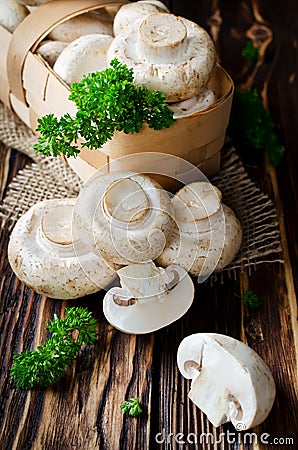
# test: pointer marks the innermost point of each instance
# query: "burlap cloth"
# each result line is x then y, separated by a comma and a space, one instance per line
47, 177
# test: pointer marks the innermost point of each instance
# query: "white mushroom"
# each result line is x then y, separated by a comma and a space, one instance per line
230, 381
150, 298
88, 23
82, 56
167, 53
135, 12
127, 216
50, 50
192, 105
11, 14
207, 234
44, 254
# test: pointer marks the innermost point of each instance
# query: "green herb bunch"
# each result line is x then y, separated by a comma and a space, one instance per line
253, 126
250, 52
47, 364
106, 101
250, 299
132, 407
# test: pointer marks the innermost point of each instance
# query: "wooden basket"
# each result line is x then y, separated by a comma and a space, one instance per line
30, 87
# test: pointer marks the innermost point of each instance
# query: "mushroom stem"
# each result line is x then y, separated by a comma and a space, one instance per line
162, 38
124, 301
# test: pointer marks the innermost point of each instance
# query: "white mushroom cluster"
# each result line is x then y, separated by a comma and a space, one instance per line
230, 382
167, 53
71, 248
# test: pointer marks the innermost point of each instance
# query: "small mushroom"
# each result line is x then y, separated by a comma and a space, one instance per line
207, 234
150, 298
127, 216
50, 50
11, 14
230, 381
167, 53
135, 12
84, 55
46, 256
192, 105
88, 23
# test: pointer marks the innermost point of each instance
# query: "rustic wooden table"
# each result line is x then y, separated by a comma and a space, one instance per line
82, 411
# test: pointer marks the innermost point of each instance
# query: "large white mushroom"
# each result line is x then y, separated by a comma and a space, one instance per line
127, 216
11, 14
135, 12
44, 254
88, 23
84, 55
207, 234
167, 53
230, 381
149, 298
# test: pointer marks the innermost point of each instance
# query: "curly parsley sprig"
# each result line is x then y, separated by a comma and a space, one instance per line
106, 101
132, 406
47, 364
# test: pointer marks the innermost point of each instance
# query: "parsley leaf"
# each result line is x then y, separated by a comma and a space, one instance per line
250, 52
48, 362
253, 126
106, 101
250, 299
132, 407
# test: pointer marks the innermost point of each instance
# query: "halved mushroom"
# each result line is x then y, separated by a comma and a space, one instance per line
127, 216
135, 12
150, 298
167, 53
230, 381
45, 255
88, 23
11, 14
84, 55
207, 234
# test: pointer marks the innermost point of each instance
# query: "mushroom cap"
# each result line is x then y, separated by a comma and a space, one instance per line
88, 23
134, 12
150, 298
230, 381
50, 50
44, 254
207, 235
84, 55
194, 104
127, 216
167, 53
11, 14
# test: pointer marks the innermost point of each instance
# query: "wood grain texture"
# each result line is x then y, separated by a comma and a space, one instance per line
82, 411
